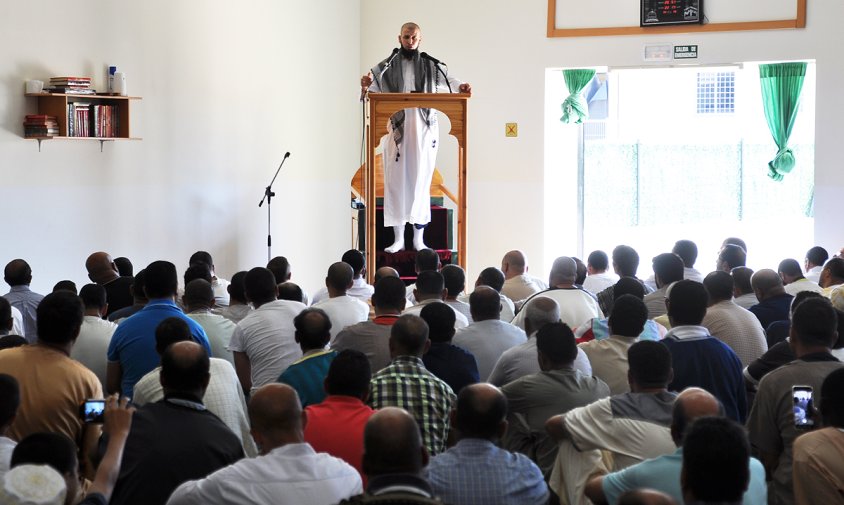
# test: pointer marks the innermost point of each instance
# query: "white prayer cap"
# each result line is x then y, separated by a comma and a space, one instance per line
32, 485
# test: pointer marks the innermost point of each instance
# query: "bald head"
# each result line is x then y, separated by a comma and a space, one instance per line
513, 264
485, 304
481, 412
385, 272
766, 283
563, 272
540, 311
185, 369
692, 403
101, 267
275, 414
392, 444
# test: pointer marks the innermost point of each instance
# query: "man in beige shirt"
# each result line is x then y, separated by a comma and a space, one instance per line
735, 326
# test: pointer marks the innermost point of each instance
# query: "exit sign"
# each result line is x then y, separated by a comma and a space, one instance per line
685, 52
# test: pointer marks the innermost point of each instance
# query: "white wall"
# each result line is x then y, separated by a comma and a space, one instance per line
224, 97
500, 47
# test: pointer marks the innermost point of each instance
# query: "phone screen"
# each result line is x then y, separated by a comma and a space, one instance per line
92, 411
803, 405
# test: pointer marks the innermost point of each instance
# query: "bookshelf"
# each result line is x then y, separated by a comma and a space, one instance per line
61, 105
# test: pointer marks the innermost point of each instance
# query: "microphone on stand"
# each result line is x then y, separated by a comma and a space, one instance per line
386, 66
429, 57
437, 64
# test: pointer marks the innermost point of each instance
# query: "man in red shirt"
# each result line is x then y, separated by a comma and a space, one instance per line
336, 425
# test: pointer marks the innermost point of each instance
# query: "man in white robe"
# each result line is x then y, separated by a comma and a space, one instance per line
409, 149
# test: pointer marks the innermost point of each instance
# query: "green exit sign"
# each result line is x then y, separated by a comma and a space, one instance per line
685, 52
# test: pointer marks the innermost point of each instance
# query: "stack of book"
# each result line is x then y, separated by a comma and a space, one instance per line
40, 126
71, 85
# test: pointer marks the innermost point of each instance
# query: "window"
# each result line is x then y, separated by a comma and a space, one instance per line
716, 92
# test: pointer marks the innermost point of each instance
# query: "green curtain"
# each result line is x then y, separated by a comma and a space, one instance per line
574, 107
781, 86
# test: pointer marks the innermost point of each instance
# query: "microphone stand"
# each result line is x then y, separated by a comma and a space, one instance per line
268, 196
437, 64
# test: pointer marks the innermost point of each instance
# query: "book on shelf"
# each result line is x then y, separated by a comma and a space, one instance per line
70, 90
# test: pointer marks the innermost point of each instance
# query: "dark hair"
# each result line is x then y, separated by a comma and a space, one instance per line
741, 279
58, 317
817, 255
716, 460
790, 266
280, 268
598, 260
628, 286
313, 328
5, 312
492, 277
169, 331
802, 296
626, 260
719, 285
160, 279
237, 289
197, 270
835, 267
52, 449
556, 342
12, 341
17, 273
427, 259
186, 371
198, 291
201, 257
349, 374
687, 303
93, 296
735, 241
138, 282
355, 259
582, 271
430, 282
649, 364
454, 279
410, 333
66, 285
290, 291
260, 285
124, 266
814, 322
628, 317
668, 267
10, 398
733, 256
440, 318
687, 251
832, 399
340, 275
389, 293
485, 303
477, 416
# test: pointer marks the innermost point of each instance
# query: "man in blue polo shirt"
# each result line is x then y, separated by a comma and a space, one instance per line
131, 353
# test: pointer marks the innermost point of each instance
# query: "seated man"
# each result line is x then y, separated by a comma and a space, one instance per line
342, 309
18, 275
360, 289
716, 458
199, 302
663, 473
792, 278
454, 365
735, 326
454, 279
218, 284
176, 439
598, 328
476, 471
598, 279
814, 262
306, 375
668, 269
288, 469
95, 334
742, 289
102, 270
430, 288
518, 285
494, 278
773, 300
238, 306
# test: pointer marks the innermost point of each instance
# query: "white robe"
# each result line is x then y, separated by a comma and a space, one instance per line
407, 181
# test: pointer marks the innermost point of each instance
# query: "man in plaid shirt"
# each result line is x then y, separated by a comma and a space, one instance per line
405, 383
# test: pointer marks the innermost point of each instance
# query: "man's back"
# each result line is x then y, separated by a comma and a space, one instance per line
119, 293
521, 360
336, 426
91, 345
369, 337
26, 301
266, 337
576, 306
608, 358
133, 342
170, 443
738, 328
219, 331
487, 340
291, 474
775, 308
818, 473
520, 287
343, 311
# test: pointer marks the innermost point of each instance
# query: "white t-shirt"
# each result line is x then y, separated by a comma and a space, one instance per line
343, 311
91, 346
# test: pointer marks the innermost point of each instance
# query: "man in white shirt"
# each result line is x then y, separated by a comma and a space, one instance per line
238, 307
815, 259
95, 334
223, 397
199, 299
288, 469
221, 294
455, 284
793, 280
342, 309
668, 268
263, 343
427, 260
743, 293
430, 288
488, 337
518, 285
577, 306
598, 278
360, 288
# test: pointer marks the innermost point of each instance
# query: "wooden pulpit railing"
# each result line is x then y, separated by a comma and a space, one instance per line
379, 108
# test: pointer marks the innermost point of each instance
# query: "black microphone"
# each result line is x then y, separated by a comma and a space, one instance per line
287, 155
386, 66
429, 57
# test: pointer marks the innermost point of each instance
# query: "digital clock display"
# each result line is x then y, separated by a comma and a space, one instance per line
671, 12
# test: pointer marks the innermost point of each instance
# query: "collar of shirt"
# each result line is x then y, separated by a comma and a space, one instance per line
19, 289
409, 360
313, 353
818, 356
343, 399
386, 319
184, 402
162, 302
688, 332
399, 482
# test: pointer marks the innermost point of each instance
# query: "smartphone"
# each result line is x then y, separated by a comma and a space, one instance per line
92, 411
803, 407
